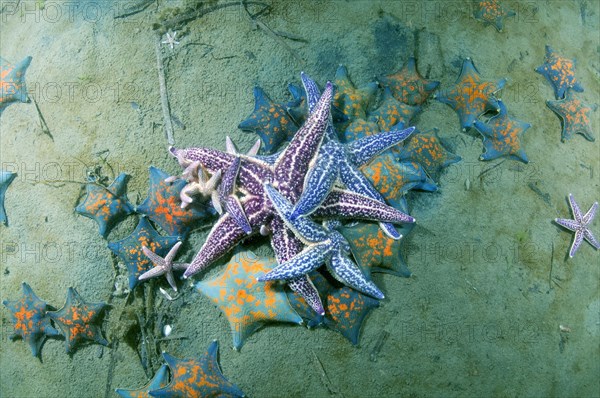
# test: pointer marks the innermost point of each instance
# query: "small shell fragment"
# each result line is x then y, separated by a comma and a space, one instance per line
167, 329
564, 328
467, 184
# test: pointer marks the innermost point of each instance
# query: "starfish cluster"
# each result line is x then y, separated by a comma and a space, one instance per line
316, 178
575, 115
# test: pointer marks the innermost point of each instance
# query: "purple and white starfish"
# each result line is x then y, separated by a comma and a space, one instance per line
580, 225
337, 161
324, 245
286, 173
163, 266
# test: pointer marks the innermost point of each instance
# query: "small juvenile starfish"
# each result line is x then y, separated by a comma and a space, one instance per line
579, 225
171, 39
163, 266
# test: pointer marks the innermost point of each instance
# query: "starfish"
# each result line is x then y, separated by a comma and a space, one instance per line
246, 303
341, 161
392, 113
375, 252
492, 12
575, 116
163, 266
471, 96
159, 380
502, 136
427, 150
131, 249
270, 121
77, 320
323, 245
194, 378
408, 86
30, 320
560, 72
163, 205
393, 178
6, 178
106, 205
12, 82
171, 39
579, 225
353, 102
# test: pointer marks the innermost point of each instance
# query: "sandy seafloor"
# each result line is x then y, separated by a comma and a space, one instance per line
480, 316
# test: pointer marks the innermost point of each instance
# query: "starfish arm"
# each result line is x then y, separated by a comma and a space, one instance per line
212, 160
591, 213
228, 181
364, 149
230, 146
216, 201
224, 235
235, 210
171, 279
212, 182
303, 227
346, 204
152, 273
573, 225
575, 208
312, 91
356, 181
587, 234
349, 274
292, 165
307, 260
172, 253
576, 243
155, 258
305, 288
318, 183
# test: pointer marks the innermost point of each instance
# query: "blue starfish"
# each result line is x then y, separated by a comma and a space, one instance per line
30, 320
323, 245
501, 136
392, 113
159, 380
106, 205
580, 225
270, 121
492, 12
341, 161
346, 310
560, 72
408, 86
471, 96
6, 177
247, 304
131, 249
393, 178
575, 115
12, 82
163, 205
427, 150
197, 378
352, 101
78, 320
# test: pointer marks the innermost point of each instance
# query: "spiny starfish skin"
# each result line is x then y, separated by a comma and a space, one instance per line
323, 246
341, 161
580, 225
